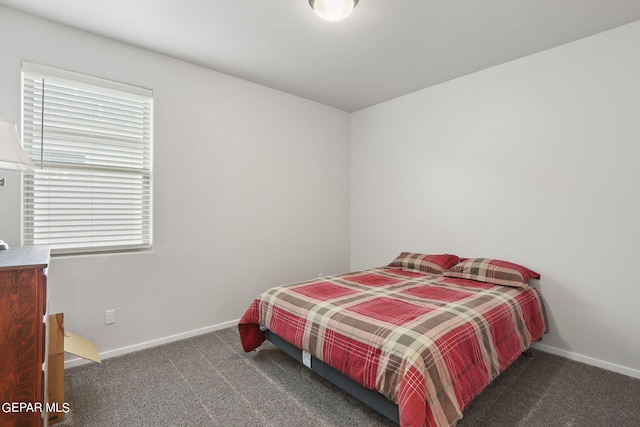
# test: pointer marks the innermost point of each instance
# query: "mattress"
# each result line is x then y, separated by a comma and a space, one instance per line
427, 342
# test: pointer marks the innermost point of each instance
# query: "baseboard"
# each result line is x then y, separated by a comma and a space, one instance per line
153, 343
635, 373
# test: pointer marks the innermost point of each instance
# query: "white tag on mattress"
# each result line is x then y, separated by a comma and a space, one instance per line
306, 359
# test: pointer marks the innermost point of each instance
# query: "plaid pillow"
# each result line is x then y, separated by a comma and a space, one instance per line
493, 271
435, 264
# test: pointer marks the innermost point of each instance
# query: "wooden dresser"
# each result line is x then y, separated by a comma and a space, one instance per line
23, 330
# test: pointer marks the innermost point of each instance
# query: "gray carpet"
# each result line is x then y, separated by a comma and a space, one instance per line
209, 381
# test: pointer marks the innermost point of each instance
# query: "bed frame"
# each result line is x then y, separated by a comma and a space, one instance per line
370, 398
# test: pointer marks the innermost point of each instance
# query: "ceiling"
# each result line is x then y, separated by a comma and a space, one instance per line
385, 49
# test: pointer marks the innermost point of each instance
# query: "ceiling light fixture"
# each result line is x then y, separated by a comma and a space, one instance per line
333, 10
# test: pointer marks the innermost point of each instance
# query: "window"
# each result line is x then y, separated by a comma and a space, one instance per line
91, 142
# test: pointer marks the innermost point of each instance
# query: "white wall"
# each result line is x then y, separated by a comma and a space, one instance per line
251, 190
534, 161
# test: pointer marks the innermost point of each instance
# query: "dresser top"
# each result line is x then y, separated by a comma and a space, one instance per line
24, 257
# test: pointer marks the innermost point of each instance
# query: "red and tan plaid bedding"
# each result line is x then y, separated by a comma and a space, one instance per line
428, 343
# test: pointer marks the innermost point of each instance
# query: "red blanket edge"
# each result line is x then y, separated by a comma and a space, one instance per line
251, 336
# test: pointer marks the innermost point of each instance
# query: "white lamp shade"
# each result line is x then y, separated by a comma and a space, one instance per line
12, 156
333, 10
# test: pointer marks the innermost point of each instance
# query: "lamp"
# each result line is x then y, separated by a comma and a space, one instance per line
12, 157
333, 10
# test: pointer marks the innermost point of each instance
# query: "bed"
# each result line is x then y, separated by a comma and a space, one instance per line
417, 339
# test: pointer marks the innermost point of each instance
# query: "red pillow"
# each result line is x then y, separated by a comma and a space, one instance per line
435, 264
493, 271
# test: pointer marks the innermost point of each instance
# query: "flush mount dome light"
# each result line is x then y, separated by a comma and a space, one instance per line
333, 10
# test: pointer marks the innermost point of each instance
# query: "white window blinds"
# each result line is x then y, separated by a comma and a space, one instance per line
91, 141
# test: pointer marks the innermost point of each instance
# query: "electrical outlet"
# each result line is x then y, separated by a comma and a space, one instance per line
109, 317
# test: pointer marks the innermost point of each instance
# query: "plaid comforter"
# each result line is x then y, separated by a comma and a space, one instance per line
426, 342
